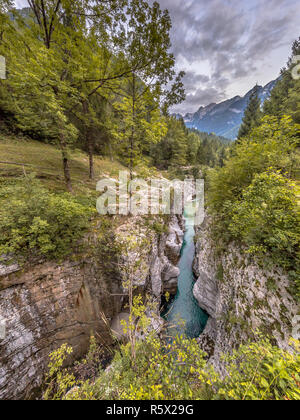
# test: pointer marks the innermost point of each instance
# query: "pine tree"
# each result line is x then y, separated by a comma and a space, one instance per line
252, 115
278, 104
139, 122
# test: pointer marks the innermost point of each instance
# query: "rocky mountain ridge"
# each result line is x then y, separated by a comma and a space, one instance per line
224, 119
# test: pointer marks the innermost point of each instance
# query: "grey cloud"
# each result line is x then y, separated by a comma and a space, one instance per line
197, 96
204, 96
234, 36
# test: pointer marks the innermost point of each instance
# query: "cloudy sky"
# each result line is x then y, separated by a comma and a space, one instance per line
227, 46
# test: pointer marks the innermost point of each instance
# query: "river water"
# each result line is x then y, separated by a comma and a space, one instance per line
184, 315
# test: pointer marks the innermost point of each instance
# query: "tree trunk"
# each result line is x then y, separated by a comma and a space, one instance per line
91, 154
67, 174
131, 141
66, 166
88, 138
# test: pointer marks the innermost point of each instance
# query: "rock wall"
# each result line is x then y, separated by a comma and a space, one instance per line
165, 256
47, 304
240, 296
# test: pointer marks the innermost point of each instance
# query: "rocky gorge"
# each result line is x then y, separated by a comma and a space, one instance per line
46, 304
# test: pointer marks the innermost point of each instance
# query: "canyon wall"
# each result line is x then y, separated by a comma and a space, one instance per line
240, 296
47, 304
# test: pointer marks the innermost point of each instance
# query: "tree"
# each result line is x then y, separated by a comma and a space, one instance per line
272, 144
138, 70
39, 90
125, 39
278, 104
252, 115
64, 54
292, 102
193, 143
139, 123
172, 149
88, 25
266, 218
91, 25
152, 85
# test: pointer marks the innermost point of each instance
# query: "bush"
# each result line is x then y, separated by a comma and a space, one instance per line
259, 371
267, 218
36, 222
273, 144
160, 372
178, 371
250, 199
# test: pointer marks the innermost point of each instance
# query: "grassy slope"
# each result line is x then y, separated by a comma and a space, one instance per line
298, 191
45, 162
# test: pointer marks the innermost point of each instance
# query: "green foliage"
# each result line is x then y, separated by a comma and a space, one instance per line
64, 60
59, 380
137, 126
36, 222
212, 150
252, 115
284, 97
252, 200
259, 371
182, 147
160, 372
169, 372
172, 149
267, 218
160, 228
270, 145
292, 102
132, 264
179, 371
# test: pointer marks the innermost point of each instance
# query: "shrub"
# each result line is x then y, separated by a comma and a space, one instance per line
259, 371
179, 371
250, 200
270, 145
267, 218
160, 372
58, 379
34, 221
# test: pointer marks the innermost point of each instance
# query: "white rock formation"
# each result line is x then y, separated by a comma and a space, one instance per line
240, 297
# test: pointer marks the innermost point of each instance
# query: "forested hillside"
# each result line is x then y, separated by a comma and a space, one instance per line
255, 197
72, 84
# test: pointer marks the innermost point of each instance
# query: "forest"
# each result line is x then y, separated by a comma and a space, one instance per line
100, 79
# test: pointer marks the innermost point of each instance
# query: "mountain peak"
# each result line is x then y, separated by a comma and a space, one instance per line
225, 118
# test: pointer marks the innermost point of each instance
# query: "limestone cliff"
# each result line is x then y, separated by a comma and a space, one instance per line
240, 296
47, 304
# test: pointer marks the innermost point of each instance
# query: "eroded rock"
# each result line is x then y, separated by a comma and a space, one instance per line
47, 304
240, 296
44, 307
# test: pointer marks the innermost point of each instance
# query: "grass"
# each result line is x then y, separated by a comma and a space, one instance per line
298, 192
45, 161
